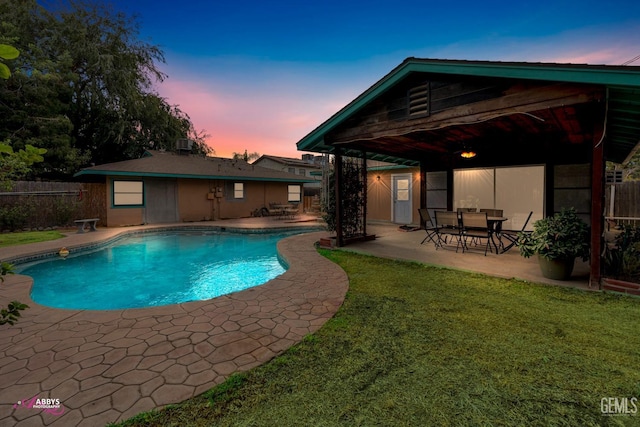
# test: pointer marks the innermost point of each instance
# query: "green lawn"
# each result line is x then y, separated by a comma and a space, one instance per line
415, 345
22, 238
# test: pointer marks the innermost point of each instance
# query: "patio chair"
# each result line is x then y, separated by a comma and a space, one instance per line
512, 235
428, 226
447, 225
291, 211
476, 227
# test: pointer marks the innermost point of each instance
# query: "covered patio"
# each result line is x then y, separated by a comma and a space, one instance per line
393, 243
441, 117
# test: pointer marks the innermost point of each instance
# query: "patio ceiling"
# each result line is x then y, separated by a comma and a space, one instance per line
561, 109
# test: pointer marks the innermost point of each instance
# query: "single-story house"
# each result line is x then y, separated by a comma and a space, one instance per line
515, 136
164, 187
309, 166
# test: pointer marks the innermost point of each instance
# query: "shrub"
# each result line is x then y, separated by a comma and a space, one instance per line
15, 217
622, 259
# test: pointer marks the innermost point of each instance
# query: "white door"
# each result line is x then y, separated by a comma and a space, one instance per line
401, 198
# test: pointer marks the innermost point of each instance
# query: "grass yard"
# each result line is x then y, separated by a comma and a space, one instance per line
415, 345
22, 238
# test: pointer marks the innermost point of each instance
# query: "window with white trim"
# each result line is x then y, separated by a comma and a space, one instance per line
238, 190
294, 193
128, 193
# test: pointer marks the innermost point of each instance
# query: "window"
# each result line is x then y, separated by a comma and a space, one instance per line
516, 190
128, 193
294, 193
292, 170
238, 190
302, 172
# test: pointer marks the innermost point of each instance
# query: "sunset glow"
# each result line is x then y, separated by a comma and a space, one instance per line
259, 76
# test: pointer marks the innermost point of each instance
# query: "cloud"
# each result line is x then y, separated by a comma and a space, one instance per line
258, 105
610, 45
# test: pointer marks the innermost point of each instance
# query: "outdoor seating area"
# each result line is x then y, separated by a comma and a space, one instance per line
82, 224
284, 210
469, 229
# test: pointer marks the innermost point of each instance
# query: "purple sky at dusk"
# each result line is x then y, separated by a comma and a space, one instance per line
260, 75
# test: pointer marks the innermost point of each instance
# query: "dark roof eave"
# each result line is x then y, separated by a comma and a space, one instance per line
610, 76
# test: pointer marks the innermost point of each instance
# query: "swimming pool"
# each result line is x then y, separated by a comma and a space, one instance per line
154, 269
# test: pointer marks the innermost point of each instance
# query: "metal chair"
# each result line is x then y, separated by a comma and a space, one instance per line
428, 226
447, 225
512, 235
476, 227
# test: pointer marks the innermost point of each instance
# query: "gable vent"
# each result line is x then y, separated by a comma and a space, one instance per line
419, 100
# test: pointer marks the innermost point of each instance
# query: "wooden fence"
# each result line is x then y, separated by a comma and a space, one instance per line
35, 205
40, 205
623, 203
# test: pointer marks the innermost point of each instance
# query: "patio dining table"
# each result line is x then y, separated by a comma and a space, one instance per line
495, 225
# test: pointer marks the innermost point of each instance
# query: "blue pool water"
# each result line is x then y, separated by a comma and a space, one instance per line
156, 269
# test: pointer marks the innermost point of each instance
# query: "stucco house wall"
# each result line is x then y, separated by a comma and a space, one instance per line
379, 194
164, 187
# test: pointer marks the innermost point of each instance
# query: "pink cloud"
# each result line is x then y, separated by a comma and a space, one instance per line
267, 122
262, 106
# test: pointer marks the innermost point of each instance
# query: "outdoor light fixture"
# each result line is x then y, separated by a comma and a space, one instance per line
378, 178
467, 152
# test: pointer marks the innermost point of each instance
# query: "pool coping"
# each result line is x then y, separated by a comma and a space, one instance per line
106, 366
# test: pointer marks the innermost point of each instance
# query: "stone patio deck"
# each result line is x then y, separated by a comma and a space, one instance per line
107, 366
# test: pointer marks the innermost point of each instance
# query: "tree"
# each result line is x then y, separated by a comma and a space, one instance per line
36, 97
633, 167
247, 157
84, 88
15, 165
6, 52
11, 165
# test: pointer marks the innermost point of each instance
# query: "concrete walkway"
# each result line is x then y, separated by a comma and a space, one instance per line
392, 243
106, 366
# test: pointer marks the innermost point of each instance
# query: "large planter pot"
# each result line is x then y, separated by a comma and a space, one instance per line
556, 269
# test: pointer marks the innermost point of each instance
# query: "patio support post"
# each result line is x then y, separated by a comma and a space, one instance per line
597, 210
423, 185
338, 196
449, 188
365, 190
549, 173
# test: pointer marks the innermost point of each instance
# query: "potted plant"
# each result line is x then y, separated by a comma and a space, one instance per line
557, 241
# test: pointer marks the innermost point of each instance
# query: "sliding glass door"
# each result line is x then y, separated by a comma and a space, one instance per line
515, 190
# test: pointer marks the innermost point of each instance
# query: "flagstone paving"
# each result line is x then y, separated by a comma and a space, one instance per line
106, 366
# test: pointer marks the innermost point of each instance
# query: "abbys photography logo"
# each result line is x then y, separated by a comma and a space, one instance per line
619, 406
49, 406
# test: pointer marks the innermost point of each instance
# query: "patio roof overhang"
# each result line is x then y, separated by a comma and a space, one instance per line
559, 111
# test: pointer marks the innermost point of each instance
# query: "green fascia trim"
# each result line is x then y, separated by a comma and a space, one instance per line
609, 76
622, 78
391, 167
165, 175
